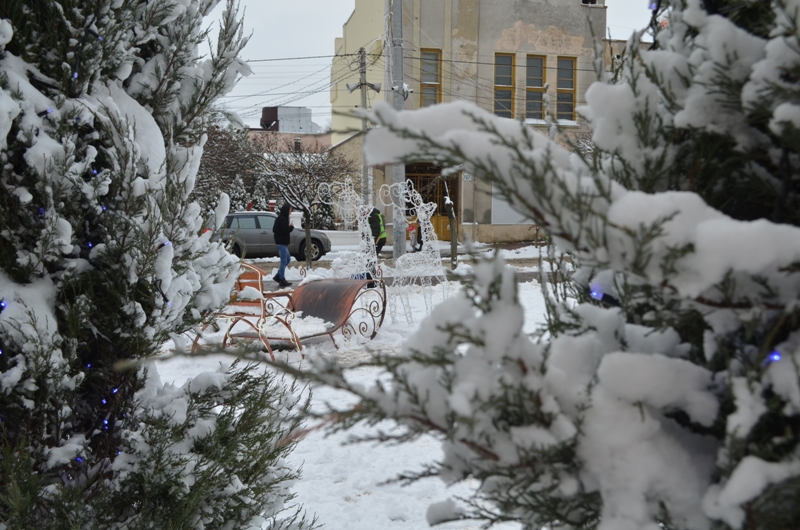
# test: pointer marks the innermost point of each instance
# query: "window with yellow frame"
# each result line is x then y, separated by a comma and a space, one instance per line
430, 77
504, 85
565, 88
535, 73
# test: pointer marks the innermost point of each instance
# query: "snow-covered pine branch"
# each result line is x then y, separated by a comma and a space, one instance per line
666, 394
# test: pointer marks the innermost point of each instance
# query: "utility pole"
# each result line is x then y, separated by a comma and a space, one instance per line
366, 189
400, 95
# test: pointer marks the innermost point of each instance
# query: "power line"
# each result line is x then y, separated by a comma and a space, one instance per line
483, 99
327, 86
377, 58
256, 94
311, 91
312, 88
300, 58
480, 83
413, 58
307, 106
282, 86
275, 59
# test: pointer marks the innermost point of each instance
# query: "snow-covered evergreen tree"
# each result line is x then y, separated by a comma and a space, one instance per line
103, 105
239, 195
263, 192
665, 391
323, 217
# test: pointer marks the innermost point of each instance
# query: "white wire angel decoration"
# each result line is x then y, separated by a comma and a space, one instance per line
343, 196
364, 262
421, 267
358, 264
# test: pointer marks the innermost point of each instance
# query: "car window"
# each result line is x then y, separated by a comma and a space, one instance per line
243, 222
266, 221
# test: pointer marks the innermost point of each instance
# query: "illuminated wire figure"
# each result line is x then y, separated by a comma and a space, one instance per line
421, 267
358, 264
343, 196
363, 263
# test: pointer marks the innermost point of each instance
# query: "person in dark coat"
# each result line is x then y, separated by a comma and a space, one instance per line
282, 228
378, 230
417, 228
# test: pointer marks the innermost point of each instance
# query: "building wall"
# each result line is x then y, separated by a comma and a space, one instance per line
352, 148
288, 120
310, 142
470, 32
296, 120
364, 28
477, 30
614, 49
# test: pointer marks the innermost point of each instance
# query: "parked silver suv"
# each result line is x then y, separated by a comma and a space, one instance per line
251, 233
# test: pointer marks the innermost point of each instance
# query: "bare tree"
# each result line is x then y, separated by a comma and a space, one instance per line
226, 165
296, 171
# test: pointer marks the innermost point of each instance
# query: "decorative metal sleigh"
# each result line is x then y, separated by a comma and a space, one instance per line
352, 307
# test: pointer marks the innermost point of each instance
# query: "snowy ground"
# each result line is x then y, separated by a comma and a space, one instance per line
524, 259
342, 483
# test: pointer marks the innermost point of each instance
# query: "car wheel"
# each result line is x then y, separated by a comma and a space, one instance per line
237, 251
316, 250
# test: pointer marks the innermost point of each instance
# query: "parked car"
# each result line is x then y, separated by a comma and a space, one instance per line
252, 237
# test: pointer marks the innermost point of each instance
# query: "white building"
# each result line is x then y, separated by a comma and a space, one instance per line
295, 120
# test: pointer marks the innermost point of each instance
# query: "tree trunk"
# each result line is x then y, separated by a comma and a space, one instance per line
307, 224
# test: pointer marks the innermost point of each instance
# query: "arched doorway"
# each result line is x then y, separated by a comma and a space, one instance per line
428, 182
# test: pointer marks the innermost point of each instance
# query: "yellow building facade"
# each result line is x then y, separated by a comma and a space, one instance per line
509, 57
364, 29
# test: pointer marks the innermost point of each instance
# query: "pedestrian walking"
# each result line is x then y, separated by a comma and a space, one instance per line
378, 230
282, 228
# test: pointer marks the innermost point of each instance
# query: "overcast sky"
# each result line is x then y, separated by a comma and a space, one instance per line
293, 41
